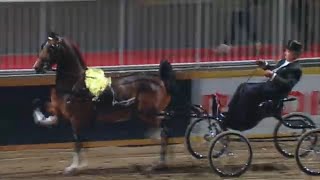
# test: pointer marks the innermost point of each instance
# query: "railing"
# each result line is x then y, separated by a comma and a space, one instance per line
130, 32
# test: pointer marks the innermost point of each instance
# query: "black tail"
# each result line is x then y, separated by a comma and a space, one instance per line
167, 75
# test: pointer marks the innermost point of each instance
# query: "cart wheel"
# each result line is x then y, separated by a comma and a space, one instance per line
308, 145
198, 136
286, 138
233, 145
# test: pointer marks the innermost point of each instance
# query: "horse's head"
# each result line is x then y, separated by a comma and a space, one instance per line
49, 54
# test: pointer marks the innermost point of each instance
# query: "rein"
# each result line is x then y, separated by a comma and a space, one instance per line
251, 74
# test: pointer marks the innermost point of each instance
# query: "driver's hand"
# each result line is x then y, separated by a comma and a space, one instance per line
261, 63
268, 73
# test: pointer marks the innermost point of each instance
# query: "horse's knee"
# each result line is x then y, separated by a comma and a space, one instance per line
165, 126
78, 142
164, 132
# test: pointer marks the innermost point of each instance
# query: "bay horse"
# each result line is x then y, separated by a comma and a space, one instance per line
143, 96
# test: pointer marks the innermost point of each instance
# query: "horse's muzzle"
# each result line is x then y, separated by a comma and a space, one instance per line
39, 70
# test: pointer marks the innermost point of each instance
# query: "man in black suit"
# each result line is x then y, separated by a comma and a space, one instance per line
282, 78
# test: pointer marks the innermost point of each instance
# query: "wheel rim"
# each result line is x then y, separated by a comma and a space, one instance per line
232, 158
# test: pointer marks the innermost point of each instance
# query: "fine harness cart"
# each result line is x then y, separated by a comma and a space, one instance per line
213, 132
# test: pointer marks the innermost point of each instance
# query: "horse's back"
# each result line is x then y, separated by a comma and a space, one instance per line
127, 87
135, 79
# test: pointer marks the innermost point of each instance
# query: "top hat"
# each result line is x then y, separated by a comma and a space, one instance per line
294, 45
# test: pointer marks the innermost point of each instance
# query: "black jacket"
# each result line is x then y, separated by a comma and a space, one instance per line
287, 77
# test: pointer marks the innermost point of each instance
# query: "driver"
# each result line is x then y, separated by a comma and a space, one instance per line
282, 77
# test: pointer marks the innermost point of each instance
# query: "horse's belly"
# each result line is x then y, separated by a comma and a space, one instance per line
112, 117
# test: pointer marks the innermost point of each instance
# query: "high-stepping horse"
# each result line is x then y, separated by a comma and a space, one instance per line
142, 96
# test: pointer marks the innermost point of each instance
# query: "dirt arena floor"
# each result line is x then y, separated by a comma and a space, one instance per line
121, 163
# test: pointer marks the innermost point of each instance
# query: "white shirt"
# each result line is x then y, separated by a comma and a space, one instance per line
284, 64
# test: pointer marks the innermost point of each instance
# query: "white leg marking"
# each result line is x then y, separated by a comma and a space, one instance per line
78, 162
39, 118
75, 164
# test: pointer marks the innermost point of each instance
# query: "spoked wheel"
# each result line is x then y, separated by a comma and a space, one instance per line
309, 146
286, 138
198, 136
230, 154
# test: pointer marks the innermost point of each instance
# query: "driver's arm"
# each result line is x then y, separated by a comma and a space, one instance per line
290, 81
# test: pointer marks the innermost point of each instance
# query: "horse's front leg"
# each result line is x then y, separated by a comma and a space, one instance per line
80, 115
77, 161
39, 117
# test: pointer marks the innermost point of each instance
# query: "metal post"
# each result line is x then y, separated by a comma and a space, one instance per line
182, 27
282, 10
198, 30
274, 24
267, 23
42, 22
98, 28
316, 6
167, 29
121, 29
207, 20
214, 24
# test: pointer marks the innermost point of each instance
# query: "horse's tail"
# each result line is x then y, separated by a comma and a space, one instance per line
167, 75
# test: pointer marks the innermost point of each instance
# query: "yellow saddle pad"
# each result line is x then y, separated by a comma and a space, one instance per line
96, 82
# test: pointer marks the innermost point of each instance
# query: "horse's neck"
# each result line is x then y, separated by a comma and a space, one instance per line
68, 74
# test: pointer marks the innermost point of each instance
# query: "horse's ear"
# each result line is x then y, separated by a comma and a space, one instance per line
52, 35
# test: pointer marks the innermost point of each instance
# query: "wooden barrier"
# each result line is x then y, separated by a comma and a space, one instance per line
49, 80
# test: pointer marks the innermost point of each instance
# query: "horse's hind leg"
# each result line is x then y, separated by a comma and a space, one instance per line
163, 148
164, 143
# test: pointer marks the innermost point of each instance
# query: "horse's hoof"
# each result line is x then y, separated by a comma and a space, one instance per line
136, 167
70, 170
158, 166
